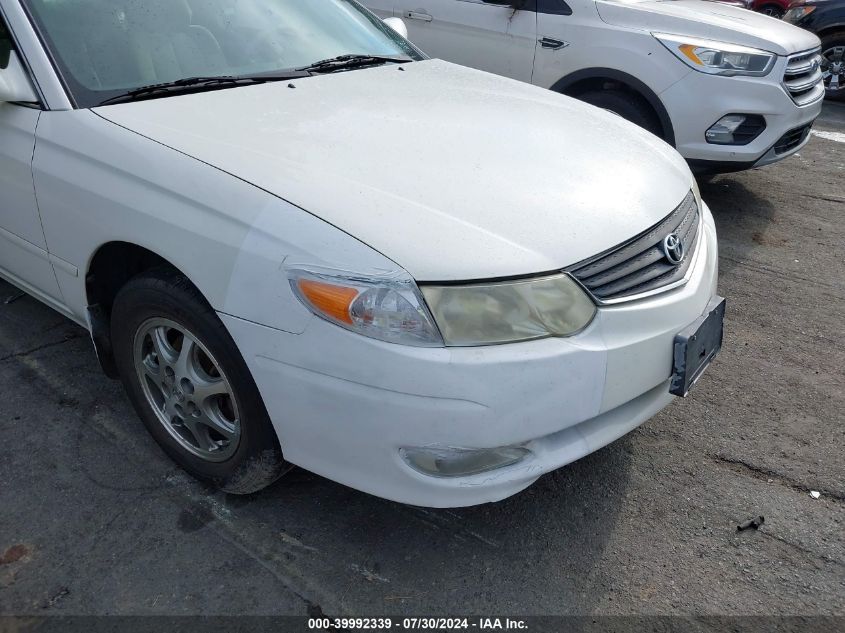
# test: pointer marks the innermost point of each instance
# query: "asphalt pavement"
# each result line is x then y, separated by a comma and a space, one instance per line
96, 520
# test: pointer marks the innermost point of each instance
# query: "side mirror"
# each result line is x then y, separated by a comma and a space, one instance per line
398, 25
14, 82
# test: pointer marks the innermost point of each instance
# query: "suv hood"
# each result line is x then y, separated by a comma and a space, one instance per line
452, 173
708, 20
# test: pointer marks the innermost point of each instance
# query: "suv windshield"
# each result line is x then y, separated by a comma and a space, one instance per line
105, 48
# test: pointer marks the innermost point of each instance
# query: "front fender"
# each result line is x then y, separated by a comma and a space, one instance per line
98, 182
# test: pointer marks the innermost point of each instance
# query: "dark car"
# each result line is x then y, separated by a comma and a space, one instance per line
825, 18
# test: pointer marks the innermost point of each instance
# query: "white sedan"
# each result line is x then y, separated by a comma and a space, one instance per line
298, 241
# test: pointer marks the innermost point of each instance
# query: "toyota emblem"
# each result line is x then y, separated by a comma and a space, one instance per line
673, 249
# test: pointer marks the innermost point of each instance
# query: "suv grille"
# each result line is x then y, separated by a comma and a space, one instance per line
792, 139
640, 265
803, 77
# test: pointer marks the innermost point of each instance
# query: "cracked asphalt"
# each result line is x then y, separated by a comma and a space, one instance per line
96, 520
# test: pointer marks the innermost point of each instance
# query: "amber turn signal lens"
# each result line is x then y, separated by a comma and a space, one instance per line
689, 51
333, 301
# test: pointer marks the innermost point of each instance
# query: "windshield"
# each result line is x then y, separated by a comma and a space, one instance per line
104, 48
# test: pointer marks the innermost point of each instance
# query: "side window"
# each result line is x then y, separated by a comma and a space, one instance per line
5, 44
553, 7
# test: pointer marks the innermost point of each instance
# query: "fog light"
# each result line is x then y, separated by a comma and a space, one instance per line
735, 129
460, 462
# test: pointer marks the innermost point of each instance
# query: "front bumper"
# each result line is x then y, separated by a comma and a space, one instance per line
344, 405
698, 100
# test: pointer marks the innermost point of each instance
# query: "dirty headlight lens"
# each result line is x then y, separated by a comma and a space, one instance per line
510, 311
385, 306
718, 58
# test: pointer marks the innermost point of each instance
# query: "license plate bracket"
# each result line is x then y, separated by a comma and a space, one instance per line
697, 346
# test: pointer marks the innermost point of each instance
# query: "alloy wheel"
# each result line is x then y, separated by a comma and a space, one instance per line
833, 69
187, 389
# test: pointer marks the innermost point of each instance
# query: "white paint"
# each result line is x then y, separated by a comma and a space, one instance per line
618, 36
838, 137
346, 420
443, 177
429, 169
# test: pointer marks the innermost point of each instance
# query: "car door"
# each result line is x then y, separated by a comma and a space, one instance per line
486, 34
24, 259
569, 33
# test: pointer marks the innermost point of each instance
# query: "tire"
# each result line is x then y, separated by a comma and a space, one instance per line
629, 106
772, 10
198, 402
833, 53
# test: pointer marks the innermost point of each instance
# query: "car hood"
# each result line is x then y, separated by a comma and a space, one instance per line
452, 173
709, 20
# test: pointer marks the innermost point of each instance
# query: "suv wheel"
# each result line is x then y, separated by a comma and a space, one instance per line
630, 107
190, 385
833, 65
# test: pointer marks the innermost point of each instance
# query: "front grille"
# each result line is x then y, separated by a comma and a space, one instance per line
640, 265
803, 77
792, 139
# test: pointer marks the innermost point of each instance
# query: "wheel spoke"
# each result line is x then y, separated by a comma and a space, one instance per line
164, 351
195, 426
214, 422
184, 365
153, 373
209, 390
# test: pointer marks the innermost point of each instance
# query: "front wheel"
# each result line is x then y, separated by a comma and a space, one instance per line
630, 107
190, 385
833, 65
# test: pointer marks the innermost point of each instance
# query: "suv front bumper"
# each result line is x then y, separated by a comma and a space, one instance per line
698, 100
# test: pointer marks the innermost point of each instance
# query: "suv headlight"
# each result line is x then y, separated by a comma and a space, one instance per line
718, 58
509, 311
796, 13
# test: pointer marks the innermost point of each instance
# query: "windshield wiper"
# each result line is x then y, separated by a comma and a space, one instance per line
197, 84
347, 62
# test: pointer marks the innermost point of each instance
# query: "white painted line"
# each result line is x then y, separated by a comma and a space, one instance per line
839, 137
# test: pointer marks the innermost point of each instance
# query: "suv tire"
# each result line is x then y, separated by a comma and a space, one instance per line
629, 106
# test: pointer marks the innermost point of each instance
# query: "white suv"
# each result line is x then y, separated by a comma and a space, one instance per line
729, 88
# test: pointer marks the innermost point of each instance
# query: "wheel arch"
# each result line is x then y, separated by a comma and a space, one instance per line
110, 267
836, 29
598, 78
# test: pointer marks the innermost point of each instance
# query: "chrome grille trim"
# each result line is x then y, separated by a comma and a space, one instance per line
802, 78
638, 268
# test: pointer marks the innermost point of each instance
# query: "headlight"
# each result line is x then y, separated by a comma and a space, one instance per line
386, 307
509, 311
718, 58
794, 15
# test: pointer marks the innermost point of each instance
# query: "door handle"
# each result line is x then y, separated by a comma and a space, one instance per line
552, 44
416, 15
